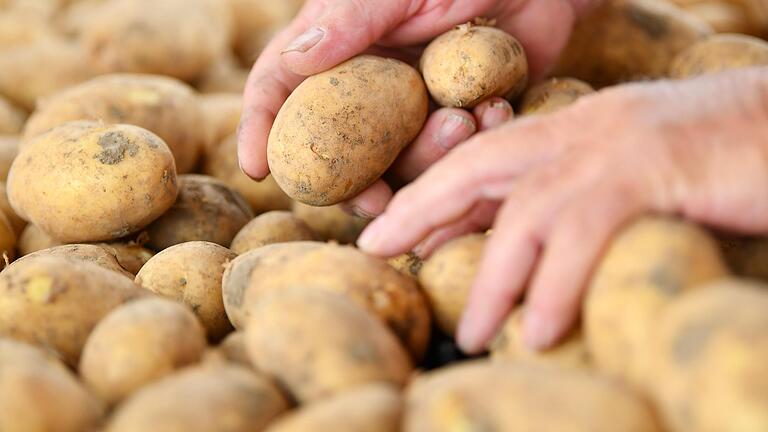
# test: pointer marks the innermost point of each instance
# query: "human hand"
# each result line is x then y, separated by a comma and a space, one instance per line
567, 181
328, 32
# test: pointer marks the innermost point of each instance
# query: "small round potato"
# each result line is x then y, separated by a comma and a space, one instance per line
191, 273
86, 182
331, 223
340, 130
553, 94
232, 349
206, 210
472, 63
83, 252
11, 118
269, 228
139, 343
202, 399
318, 343
33, 239
719, 53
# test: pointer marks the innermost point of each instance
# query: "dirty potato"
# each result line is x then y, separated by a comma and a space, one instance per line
82, 252
269, 228
331, 223
719, 53
553, 94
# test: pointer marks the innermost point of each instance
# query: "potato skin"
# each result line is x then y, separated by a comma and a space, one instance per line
553, 94
18, 224
719, 53
355, 348
331, 223
85, 253
129, 255
206, 210
471, 63
408, 264
222, 115
9, 149
514, 396
370, 408
55, 302
139, 343
340, 130
162, 105
256, 21
39, 394
33, 239
110, 181
201, 399
648, 264
270, 228
11, 118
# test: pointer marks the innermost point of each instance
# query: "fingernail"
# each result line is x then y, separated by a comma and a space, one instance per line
359, 212
500, 105
539, 333
248, 175
467, 335
371, 238
454, 130
305, 41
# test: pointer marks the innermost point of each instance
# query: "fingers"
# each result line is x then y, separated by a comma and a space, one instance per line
493, 112
371, 202
479, 219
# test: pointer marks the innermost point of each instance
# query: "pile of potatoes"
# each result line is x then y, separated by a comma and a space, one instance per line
150, 285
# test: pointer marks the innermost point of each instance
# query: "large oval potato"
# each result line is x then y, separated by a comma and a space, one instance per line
55, 302
270, 228
471, 63
109, 181
162, 105
317, 344
191, 273
719, 53
11, 118
553, 94
138, 343
331, 223
82, 252
340, 130
370, 282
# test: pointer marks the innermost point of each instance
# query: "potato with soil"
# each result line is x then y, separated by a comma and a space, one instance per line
408, 264
55, 302
191, 273
471, 63
222, 115
369, 282
270, 228
164, 106
202, 399
109, 181
84, 253
131, 256
340, 130
370, 408
720, 53
648, 264
331, 223
139, 343
11, 118
39, 394
206, 210
553, 94
9, 149
318, 343
514, 396
710, 351
625, 40
263, 196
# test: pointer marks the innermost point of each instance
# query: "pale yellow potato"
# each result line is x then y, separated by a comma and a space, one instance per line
222, 116
370, 408
86, 181
408, 264
318, 344
39, 394
9, 148
21, 26
331, 223
85, 253
33, 239
191, 273
206, 210
129, 255
368, 281
514, 396
269, 228
471, 63
162, 105
553, 94
139, 343
718, 53
232, 349
17, 223
224, 75
730, 16
55, 302
340, 130
262, 196
11, 118
256, 21
647, 265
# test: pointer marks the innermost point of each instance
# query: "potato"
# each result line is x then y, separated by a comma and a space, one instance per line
340, 130
35, 71
9, 148
7, 240
178, 38
730, 16
746, 256
224, 75
202, 399
269, 228
19, 28
710, 351
139, 343
553, 94
39, 394
83, 253
263, 196
55, 302
447, 278
129, 255
33, 239
164, 106
206, 210
625, 40
369, 282
331, 223
514, 396
352, 347
648, 264
191, 273
370, 408
109, 181
719, 53
472, 63
222, 115
232, 349
509, 345
256, 21
11, 118
408, 264
18, 224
